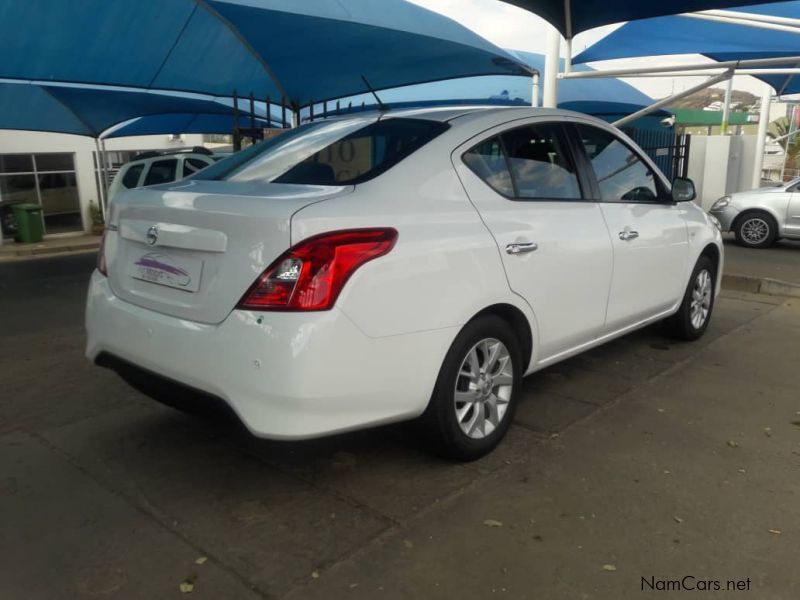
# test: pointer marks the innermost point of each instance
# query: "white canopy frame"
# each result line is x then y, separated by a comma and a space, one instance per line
716, 71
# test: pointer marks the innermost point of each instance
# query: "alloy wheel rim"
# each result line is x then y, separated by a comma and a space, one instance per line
483, 388
755, 230
701, 299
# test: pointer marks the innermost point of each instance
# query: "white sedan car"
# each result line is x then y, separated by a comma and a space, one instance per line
398, 266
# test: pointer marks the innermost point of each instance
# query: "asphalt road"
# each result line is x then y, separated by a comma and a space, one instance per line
781, 261
641, 459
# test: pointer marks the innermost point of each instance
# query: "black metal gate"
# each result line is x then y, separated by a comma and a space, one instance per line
670, 151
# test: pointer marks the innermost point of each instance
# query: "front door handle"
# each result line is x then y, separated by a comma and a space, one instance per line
521, 248
628, 234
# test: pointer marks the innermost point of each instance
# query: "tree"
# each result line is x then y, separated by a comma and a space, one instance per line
780, 128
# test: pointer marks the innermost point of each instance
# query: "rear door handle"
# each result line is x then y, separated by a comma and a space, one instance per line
628, 234
521, 248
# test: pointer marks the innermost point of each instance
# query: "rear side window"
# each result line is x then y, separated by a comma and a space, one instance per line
162, 171
364, 154
530, 163
620, 172
131, 178
488, 161
540, 163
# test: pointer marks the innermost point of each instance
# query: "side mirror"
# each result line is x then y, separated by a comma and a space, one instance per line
683, 190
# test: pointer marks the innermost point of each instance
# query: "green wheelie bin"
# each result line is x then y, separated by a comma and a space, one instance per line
29, 222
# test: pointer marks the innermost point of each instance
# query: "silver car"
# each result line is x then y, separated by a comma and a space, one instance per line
761, 217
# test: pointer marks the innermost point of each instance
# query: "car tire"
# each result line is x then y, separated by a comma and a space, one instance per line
756, 229
476, 392
694, 314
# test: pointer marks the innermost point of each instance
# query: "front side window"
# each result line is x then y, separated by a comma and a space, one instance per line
337, 152
162, 171
621, 174
540, 163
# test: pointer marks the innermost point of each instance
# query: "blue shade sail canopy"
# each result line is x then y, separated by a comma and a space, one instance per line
716, 40
571, 17
183, 123
91, 111
303, 50
598, 97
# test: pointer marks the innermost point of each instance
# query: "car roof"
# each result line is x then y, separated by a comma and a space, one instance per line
449, 114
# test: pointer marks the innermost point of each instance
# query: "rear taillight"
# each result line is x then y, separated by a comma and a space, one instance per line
310, 275
101, 255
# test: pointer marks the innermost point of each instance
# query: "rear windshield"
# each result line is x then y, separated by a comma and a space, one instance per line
341, 152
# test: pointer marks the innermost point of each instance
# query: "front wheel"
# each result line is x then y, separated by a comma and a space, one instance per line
694, 314
756, 229
475, 396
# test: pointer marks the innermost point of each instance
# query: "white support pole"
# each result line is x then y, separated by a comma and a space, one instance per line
106, 167
761, 141
712, 72
667, 101
103, 199
535, 90
726, 110
728, 64
743, 22
568, 57
733, 14
551, 68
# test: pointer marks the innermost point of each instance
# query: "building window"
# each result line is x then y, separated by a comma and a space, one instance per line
48, 180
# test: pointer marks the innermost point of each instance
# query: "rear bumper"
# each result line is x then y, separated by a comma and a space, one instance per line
290, 376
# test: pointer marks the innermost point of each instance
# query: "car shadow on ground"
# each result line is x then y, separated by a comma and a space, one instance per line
551, 400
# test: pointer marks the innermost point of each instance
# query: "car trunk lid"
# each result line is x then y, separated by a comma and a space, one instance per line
192, 249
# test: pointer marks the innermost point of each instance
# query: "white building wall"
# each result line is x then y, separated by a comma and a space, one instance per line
720, 165
32, 142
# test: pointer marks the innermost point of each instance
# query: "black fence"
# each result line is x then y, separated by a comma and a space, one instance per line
670, 151
249, 124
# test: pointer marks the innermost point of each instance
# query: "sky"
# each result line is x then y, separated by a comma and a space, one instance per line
517, 29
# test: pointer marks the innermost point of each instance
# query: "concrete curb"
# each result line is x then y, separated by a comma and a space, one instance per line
33, 251
754, 285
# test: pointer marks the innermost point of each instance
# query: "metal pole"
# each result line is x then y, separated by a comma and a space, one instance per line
752, 17
237, 137
761, 140
667, 101
106, 170
728, 64
726, 110
535, 90
743, 22
103, 199
551, 67
712, 72
568, 57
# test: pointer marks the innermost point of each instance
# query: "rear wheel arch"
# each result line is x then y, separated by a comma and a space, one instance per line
519, 324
